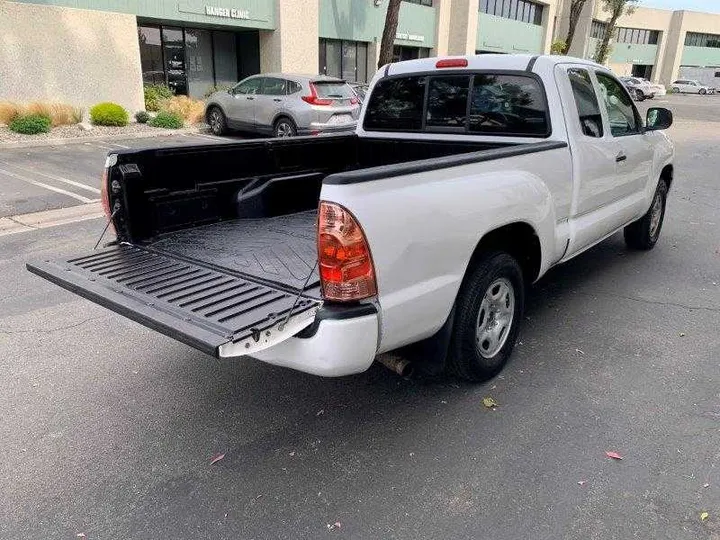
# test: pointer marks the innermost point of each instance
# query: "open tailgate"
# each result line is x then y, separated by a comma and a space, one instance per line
216, 312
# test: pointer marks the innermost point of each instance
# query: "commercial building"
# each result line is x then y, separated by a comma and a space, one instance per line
85, 51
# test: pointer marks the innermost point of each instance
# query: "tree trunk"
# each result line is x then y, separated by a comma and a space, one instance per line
575, 10
603, 49
389, 32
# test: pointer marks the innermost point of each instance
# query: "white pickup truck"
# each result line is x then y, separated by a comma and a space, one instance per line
466, 180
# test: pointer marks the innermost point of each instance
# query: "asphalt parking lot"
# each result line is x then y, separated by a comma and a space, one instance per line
108, 429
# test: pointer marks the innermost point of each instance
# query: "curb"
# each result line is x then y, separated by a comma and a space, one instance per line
109, 138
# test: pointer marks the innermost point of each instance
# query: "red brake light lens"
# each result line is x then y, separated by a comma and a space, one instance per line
452, 63
346, 268
313, 98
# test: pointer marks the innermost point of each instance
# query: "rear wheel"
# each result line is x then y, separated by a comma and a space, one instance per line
284, 127
489, 311
703, 91
217, 121
644, 233
639, 96
676, 90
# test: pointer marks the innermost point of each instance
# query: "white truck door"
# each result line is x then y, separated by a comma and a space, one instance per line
593, 153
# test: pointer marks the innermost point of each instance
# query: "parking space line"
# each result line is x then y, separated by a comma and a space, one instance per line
205, 136
120, 145
52, 177
97, 145
47, 186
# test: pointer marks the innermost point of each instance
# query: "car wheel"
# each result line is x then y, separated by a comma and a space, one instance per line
644, 233
217, 121
284, 127
703, 91
489, 310
676, 90
639, 96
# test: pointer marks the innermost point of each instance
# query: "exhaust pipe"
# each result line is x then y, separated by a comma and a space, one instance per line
399, 365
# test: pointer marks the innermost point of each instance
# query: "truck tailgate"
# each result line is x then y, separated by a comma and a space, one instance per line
216, 312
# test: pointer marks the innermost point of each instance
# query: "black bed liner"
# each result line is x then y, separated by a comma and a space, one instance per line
190, 302
281, 250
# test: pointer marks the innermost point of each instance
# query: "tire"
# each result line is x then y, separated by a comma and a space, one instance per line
676, 90
639, 96
643, 234
489, 311
703, 91
284, 127
217, 121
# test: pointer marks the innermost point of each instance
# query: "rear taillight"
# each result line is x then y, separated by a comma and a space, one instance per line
344, 259
451, 63
313, 98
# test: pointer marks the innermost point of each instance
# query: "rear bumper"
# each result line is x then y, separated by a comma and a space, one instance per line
338, 347
317, 129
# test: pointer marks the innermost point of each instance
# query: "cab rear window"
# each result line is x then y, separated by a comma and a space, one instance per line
489, 103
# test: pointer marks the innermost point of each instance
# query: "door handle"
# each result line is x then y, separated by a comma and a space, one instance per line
620, 157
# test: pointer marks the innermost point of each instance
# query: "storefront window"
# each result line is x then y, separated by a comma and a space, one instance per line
403, 52
198, 50
225, 55
343, 59
151, 55
174, 51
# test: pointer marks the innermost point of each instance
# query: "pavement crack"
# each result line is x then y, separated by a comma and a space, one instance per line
47, 330
653, 302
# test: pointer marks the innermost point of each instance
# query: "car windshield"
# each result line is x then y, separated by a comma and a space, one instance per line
338, 90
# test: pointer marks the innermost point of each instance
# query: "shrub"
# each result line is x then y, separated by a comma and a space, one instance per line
108, 114
558, 47
217, 88
8, 112
166, 119
30, 124
190, 110
155, 94
142, 117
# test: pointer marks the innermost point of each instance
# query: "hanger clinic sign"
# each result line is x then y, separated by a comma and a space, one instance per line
228, 13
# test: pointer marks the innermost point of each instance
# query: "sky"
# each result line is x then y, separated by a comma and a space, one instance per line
711, 6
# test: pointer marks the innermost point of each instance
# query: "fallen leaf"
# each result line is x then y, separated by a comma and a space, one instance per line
80, 535
706, 485
682, 334
613, 455
704, 516
321, 411
582, 482
216, 458
490, 403
579, 351
443, 402
292, 454
338, 524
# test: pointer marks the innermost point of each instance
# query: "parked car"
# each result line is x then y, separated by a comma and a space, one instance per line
284, 105
706, 76
657, 88
466, 179
685, 86
638, 88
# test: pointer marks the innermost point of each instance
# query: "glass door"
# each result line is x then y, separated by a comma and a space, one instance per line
174, 49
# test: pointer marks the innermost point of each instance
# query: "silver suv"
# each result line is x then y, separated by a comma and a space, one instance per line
284, 105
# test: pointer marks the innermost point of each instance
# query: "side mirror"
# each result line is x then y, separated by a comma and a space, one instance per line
658, 118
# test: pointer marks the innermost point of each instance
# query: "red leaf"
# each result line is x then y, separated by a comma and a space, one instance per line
613, 455
216, 458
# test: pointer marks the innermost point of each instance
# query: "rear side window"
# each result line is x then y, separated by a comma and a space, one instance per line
338, 90
396, 105
293, 87
274, 87
498, 104
586, 102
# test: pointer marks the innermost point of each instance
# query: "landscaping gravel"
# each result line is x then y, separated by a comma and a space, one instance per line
75, 131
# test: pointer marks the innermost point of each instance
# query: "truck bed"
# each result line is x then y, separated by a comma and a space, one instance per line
281, 250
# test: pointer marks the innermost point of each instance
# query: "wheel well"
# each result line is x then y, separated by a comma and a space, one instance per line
286, 117
517, 239
667, 175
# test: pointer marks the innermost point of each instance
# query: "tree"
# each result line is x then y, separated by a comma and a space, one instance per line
617, 8
576, 7
389, 32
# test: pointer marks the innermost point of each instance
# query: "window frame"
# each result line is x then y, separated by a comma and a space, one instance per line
466, 129
261, 83
603, 106
578, 116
